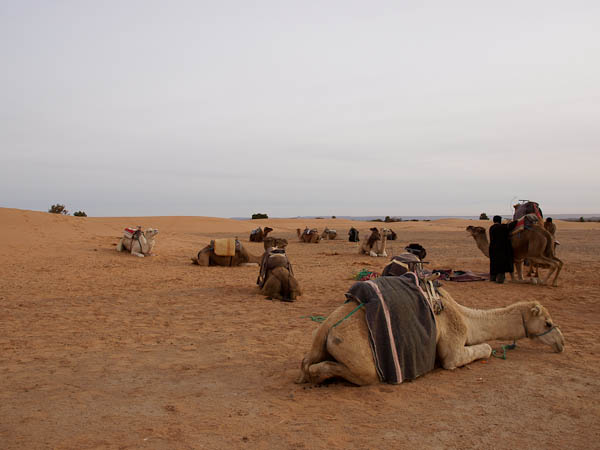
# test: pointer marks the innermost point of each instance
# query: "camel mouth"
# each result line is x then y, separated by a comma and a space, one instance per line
559, 347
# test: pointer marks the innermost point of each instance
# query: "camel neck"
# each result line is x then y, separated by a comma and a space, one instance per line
500, 323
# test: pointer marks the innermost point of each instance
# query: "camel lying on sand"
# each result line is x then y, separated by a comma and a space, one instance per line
276, 277
140, 244
389, 234
208, 257
374, 244
259, 235
275, 242
328, 234
534, 244
344, 351
308, 235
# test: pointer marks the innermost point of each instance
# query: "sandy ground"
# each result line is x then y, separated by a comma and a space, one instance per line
100, 349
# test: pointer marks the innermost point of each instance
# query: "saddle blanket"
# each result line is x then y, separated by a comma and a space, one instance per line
402, 330
129, 232
225, 247
526, 222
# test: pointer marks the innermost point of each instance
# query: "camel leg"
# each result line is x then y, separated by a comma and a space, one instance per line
560, 266
465, 355
330, 369
120, 246
519, 267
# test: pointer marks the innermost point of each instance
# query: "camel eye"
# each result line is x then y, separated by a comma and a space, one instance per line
548, 324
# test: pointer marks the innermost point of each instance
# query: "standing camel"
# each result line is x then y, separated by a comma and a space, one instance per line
341, 346
535, 244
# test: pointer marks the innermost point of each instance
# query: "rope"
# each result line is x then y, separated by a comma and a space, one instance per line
360, 305
315, 318
504, 348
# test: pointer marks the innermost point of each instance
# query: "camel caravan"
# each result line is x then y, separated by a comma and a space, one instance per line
397, 326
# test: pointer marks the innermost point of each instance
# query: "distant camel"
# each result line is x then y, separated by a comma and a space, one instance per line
207, 257
534, 244
137, 242
259, 235
390, 234
308, 235
275, 242
328, 234
344, 351
374, 244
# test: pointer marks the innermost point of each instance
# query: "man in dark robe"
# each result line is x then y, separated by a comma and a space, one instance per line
501, 255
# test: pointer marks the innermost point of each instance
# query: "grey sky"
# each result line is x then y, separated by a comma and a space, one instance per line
226, 108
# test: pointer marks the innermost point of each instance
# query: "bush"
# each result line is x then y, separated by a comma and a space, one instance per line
80, 214
333, 217
581, 219
260, 216
58, 209
483, 216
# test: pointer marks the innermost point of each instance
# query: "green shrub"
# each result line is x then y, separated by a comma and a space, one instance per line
483, 216
58, 209
260, 216
80, 214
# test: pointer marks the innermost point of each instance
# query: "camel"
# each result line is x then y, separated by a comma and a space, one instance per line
344, 351
535, 244
274, 242
373, 245
276, 278
259, 235
139, 243
308, 235
329, 234
207, 257
390, 234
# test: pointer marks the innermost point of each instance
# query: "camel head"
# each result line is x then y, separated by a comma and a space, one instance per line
539, 326
267, 230
476, 231
150, 233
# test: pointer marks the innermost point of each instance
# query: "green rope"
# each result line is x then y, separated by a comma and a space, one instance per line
360, 305
316, 318
504, 348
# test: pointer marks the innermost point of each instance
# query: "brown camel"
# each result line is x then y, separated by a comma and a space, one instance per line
344, 351
207, 257
274, 242
535, 244
374, 244
259, 235
308, 235
329, 234
276, 278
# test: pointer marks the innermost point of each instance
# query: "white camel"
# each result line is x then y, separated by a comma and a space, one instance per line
140, 244
344, 351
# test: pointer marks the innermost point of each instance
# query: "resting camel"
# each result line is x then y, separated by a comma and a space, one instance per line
374, 245
276, 278
344, 351
390, 234
535, 244
273, 242
328, 234
259, 235
141, 244
207, 257
308, 235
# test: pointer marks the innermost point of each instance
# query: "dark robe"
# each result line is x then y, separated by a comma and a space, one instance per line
501, 255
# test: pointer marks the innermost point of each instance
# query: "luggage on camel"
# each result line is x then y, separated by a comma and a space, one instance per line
416, 249
527, 214
353, 235
401, 324
401, 264
225, 247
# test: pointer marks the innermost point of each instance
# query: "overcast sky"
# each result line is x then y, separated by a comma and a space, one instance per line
225, 108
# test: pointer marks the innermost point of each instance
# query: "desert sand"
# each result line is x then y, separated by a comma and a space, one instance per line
101, 349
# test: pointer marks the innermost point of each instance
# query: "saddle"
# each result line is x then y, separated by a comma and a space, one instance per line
253, 232
276, 257
310, 231
225, 247
132, 233
401, 264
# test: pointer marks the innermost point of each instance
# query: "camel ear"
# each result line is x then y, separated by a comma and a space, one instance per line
536, 310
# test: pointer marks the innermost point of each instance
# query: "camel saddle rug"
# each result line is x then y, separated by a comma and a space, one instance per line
225, 247
399, 265
402, 330
526, 222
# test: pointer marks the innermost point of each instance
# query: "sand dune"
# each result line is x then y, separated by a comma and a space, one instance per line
100, 349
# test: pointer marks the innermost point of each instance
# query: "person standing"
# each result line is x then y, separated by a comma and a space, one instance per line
501, 255
550, 226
